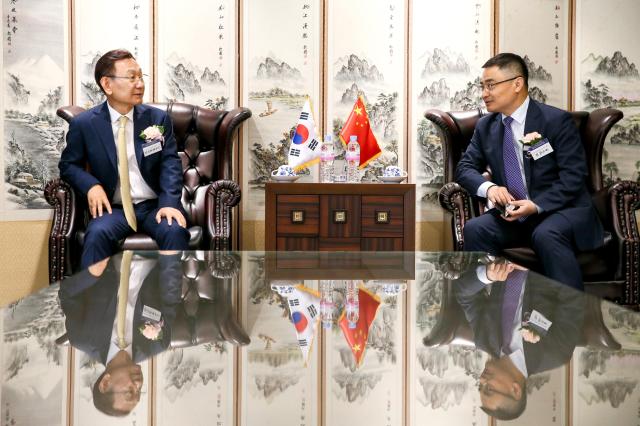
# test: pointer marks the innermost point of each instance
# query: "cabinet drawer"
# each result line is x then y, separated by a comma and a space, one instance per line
381, 244
297, 244
297, 215
340, 216
382, 216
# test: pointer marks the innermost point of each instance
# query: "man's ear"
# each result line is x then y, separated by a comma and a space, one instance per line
105, 383
105, 82
516, 391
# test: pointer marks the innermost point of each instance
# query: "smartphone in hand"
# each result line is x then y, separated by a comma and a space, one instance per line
506, 210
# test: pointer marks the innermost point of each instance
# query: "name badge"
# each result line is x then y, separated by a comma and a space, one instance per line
539, 320
541, 151
151, 148
151, 313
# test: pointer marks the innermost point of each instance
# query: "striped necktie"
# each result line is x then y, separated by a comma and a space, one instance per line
510, 301
512, 171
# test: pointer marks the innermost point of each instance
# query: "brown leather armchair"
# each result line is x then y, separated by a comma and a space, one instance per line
207, 311
205, 144
611, 271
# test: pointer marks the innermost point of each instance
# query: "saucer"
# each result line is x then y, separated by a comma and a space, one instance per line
285, 178
392, 179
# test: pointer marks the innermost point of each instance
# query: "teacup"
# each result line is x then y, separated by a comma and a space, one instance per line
284, 170
394, 171
393, 289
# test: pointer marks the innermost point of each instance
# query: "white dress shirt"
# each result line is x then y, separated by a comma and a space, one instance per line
516, 346
140, 191
517, 127
140, 268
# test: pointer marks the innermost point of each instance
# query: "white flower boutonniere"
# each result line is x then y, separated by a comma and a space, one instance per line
152, 330
531, 139
153, 133
529, 334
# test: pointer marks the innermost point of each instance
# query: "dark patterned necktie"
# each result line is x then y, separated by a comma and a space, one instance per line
510, 300
512, 172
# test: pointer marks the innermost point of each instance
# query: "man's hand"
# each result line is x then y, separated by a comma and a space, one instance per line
98, 268
170, 213
97, 200
499, 271
499, 195
524, 208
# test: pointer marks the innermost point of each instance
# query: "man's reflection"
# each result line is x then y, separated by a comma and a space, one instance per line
524, 322
119, 311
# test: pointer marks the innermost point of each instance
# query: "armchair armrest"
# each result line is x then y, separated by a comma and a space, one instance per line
457, 201
62, 198
625, 200
225, 316
230, 123
221, 196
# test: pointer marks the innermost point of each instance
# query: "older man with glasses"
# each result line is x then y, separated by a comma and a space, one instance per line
122, 156
538, 176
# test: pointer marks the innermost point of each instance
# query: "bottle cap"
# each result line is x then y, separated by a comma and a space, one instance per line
353, 138
352, 325
328, 137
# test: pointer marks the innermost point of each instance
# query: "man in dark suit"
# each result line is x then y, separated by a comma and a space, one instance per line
122, 156
527, 331
89, 301
538, 189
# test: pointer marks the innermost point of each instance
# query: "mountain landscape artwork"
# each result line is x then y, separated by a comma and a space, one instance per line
34, 87
613, 80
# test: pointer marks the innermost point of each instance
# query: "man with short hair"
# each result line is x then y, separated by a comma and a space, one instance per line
121, 332
122, 156
538, 176
524, 322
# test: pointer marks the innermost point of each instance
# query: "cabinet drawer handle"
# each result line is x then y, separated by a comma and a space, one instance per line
382, 216
297, 216
339, 216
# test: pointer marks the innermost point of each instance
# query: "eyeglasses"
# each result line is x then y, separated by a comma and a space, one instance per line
492, 85
133, 79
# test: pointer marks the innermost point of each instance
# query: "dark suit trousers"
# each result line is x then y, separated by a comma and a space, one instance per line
550, 236
104, 234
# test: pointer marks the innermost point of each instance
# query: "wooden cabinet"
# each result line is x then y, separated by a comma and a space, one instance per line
340, 217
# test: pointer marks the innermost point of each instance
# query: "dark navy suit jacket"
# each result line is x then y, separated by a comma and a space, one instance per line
90, 142
556, 182
89, 304
561, 305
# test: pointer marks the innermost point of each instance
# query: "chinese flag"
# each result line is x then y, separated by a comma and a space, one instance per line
358, 124
357, 337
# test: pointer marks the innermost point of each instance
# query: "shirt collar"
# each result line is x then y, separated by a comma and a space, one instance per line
520, 114
115, 115
517, 357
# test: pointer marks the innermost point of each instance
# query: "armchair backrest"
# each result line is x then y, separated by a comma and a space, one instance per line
456, 129
205, 144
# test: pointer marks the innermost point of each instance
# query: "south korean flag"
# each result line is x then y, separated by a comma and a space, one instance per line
304, 306
305, 147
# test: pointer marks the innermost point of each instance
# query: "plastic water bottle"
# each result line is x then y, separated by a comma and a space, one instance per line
352, 304
326, 160
326, 303
353, 159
